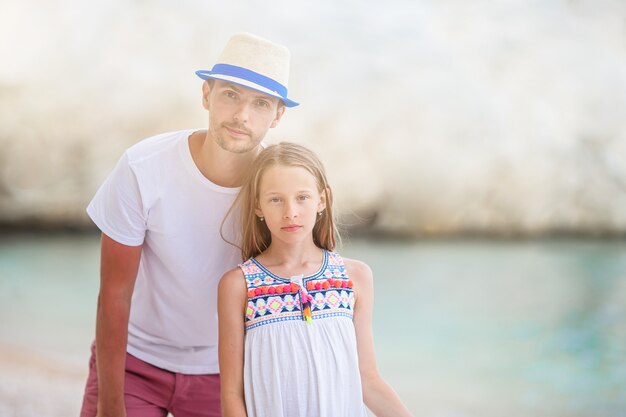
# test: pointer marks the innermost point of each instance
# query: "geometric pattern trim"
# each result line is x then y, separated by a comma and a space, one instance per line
272, 299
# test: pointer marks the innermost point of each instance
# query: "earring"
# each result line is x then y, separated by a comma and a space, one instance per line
320, 213
261, 218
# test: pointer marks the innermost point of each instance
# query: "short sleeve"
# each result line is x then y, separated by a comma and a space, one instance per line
117, 208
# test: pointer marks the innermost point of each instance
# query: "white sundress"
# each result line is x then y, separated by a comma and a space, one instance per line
294, 367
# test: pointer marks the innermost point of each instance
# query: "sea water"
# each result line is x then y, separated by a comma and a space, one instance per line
462, 327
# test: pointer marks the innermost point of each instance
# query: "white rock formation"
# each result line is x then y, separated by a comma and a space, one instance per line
431, 116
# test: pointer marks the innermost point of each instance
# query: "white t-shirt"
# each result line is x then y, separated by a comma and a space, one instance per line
156, 196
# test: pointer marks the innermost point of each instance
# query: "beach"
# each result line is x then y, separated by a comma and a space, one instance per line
35, 385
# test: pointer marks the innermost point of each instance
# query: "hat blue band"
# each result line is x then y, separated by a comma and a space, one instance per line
254, 77
246, 74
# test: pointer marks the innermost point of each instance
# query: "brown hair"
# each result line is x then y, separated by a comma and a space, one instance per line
255, 236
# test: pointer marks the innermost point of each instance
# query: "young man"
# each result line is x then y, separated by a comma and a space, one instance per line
160, 212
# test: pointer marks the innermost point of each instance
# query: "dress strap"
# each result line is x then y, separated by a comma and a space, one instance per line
336, 268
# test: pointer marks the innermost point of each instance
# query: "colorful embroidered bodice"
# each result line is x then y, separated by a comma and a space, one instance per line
271, 298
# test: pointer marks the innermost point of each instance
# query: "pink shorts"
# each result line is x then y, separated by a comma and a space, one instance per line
154, 392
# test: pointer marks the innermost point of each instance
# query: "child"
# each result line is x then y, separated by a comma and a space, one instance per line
295, 336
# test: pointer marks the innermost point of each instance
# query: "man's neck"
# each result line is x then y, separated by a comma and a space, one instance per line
217, 165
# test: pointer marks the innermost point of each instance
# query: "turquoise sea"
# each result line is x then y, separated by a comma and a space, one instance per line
463, 327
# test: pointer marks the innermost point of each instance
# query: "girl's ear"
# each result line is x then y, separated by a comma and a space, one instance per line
322, 204
258, 211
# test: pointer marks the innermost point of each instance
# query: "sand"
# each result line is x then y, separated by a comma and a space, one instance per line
35, 385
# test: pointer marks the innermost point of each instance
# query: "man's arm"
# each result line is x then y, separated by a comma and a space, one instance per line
118, 272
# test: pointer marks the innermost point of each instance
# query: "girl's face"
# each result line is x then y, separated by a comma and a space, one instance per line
289, 201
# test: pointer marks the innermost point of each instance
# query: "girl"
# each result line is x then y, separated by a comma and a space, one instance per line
295, 336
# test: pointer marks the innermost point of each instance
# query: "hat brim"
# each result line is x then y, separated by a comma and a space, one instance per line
206, 75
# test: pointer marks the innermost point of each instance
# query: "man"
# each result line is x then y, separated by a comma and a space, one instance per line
160, 212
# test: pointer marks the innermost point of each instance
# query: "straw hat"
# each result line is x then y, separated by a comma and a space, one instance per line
253, 62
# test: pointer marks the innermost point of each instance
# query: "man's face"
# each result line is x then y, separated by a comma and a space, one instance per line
239, 117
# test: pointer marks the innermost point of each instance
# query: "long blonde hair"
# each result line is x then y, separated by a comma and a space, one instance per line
255, 235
